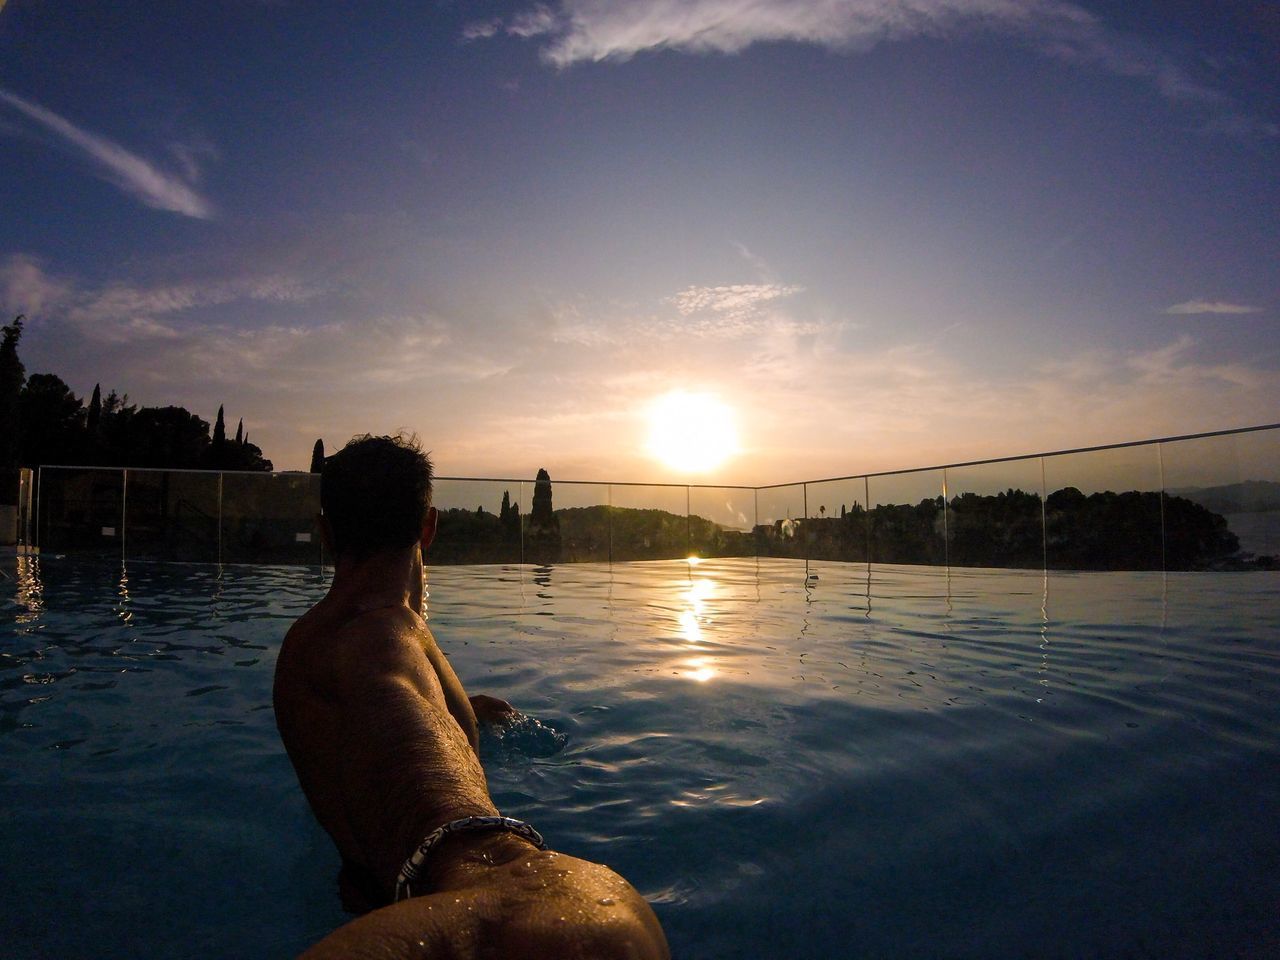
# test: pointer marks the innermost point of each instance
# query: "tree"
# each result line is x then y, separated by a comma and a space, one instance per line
93, 422
317, 456
542, 514
543, 540
166, 437
240, 432
12, 378
53, 421
218, 456
117, 417
220, 430
509, 518
247, 456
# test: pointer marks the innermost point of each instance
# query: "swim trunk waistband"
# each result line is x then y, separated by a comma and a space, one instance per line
413, 866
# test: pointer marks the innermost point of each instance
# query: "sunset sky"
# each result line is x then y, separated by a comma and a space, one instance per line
883, 233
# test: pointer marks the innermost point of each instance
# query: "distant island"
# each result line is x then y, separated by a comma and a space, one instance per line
1250, 496
1100, 531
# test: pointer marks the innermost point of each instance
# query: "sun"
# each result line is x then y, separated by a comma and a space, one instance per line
691, 432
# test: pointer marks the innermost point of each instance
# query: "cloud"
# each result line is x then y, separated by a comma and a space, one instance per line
127, 312
735, 300
533, 23
1196, 307
25, 287
723, 313
594, 30
578, 31
482, 29
129, 172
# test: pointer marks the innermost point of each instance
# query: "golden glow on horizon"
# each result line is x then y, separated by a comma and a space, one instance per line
692, 432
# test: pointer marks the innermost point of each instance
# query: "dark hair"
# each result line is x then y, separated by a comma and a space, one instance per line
375, 492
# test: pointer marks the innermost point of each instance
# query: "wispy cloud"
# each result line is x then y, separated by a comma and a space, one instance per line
25, 286
126, 170
735, 300
534, 23
1195, 307
577, 31
124, 312
482, 29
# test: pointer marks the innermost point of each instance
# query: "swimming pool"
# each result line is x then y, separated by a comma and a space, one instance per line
790, 759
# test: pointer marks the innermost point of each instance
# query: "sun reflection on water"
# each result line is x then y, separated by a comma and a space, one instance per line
29, 593
692, 620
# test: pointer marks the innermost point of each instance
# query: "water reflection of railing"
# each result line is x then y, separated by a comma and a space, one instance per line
1192, 502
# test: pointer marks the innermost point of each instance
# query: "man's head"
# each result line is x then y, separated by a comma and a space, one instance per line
376, 495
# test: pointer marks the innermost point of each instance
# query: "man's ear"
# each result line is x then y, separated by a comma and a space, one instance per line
326, 532
429, 527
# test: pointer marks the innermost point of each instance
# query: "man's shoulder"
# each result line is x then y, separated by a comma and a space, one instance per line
391, 638
377, 625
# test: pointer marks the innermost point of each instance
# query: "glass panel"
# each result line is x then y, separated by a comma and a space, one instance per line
172, 515
994, 515
721, 520
908, 522
270, 518
479, 522
81, 511
1222, 500
650, 523
15, 493
26, 490
836, 528
779, 515
1103, 510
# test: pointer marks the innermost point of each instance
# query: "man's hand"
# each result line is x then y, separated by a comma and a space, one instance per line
492, 711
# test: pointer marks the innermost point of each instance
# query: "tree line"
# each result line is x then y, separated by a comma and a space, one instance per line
43, 423
1134, 530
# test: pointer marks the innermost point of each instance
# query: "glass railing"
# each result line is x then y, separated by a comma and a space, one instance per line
16, 497
1208, 501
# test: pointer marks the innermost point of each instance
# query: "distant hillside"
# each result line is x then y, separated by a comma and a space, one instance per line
632, 534
1068, 530
1250, 496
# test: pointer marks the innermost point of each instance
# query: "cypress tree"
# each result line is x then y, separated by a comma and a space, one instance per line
317, 457
240, 433
542, 513
94, 421
219, 431
544, 525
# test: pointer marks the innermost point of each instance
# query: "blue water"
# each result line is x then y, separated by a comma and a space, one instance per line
789, 760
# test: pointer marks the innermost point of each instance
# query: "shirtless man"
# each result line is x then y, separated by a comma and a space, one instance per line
383, 739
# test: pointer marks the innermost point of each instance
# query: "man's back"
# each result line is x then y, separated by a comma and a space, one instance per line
346, 672
371, 724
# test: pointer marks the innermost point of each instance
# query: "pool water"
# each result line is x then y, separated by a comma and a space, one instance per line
790, 760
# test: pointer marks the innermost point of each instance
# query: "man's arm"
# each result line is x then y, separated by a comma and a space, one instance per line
455, 697
578, 911
492, 711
